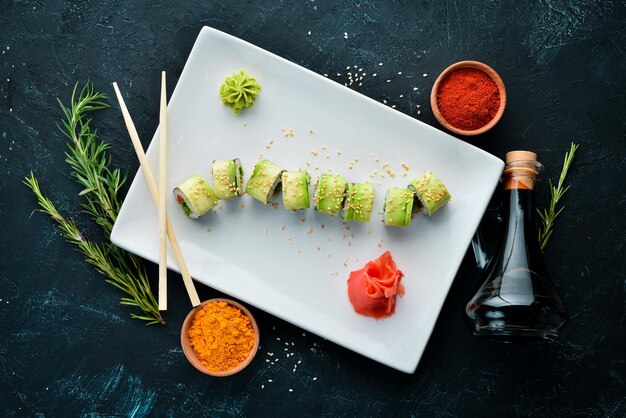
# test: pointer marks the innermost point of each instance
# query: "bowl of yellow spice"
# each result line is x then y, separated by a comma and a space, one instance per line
220, 337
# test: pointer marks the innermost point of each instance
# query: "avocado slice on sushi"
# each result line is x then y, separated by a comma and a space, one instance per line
296, 189
227, 178
398, 207
430, 192
195, 196
359, 202
330, 194
263, 182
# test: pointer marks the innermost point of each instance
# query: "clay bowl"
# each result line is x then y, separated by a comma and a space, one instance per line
479, 66
191, 355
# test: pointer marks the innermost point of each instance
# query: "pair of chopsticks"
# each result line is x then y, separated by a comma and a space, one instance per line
159, 197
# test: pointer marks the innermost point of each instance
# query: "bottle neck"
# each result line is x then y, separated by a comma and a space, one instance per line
520, 213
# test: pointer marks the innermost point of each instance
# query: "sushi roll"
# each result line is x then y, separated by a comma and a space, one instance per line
195, 196
295, 189
265, 178
227, 178
359, 202
398, 207
330, 194
430, 192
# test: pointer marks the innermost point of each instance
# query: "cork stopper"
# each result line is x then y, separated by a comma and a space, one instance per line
520, 156
521, 170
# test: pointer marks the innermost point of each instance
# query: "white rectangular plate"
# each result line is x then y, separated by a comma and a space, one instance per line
269, 257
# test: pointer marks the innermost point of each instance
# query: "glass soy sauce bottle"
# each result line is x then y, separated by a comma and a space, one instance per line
518, 301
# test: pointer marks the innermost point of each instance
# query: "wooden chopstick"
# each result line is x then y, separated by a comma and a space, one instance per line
147, 171
162, 197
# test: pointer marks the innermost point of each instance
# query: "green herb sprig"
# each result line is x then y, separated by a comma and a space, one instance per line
548, 216
90, 166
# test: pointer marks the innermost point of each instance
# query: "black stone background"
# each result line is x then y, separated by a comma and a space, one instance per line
67, 348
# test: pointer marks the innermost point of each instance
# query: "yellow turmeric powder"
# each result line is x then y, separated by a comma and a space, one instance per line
221, 336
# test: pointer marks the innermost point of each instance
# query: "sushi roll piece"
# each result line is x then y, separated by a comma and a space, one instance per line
227, 178
430, 192
330, 194
359, 202
195, 196
265, 178
296, 189
398, 207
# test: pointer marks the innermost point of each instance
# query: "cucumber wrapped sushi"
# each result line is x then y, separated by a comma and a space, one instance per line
227, 178
359, 202
398, 207
330, 194
430, 192
195, 196
296, 189
263, 182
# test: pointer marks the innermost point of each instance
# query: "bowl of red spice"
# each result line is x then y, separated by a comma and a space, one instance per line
468, 98
219, 337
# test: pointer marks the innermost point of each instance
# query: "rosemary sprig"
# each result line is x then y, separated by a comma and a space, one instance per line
89, 163
548, 216
99, 256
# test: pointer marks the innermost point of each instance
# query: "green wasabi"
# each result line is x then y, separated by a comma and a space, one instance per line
239, 91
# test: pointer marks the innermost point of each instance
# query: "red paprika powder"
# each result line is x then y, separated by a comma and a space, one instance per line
468, 98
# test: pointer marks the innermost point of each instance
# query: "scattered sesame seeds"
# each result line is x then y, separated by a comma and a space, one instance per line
380, 64
315, 378
311, 130
309, 231
208, 230
317, 247
309, 33
290, 390
374, 75
345, 35
245, 124
424, 75
242, 206
388, 81
282, 227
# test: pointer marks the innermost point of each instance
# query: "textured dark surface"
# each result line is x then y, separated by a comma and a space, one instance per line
67, 348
